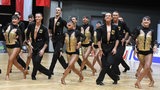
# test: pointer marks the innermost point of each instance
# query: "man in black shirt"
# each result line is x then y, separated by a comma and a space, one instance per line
107, 43
40, 40
124, 34
56, 25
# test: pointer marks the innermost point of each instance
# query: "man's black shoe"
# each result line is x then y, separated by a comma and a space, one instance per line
125, 70
52, 73
100, 83
118, 78
49, 77
33, 78
115, 82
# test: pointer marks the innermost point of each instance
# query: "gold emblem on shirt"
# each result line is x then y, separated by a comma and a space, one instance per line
119, 28
113, 32
58, 23
40, 31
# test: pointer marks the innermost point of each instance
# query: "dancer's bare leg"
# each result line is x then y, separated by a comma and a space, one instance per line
73, 59
146, 69
86, 61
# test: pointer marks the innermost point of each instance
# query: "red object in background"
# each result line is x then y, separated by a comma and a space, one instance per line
5, 2
45, 3
125, 55
24, 7
19, 7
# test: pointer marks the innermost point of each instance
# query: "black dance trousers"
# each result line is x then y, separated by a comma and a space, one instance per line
119, 59
107, 61
56, 56
37, 66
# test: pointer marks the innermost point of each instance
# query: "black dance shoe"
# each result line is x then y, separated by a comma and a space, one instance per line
126, 69
49, 77
115, 82
52, 73
34, 78
117, 79
100, 83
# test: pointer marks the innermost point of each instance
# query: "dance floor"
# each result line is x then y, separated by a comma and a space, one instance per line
126, 82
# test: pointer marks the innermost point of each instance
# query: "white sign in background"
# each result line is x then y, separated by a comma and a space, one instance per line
129, 55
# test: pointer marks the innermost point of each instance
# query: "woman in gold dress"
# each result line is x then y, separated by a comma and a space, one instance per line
13, 43
73, 43
146, 46
88, 31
